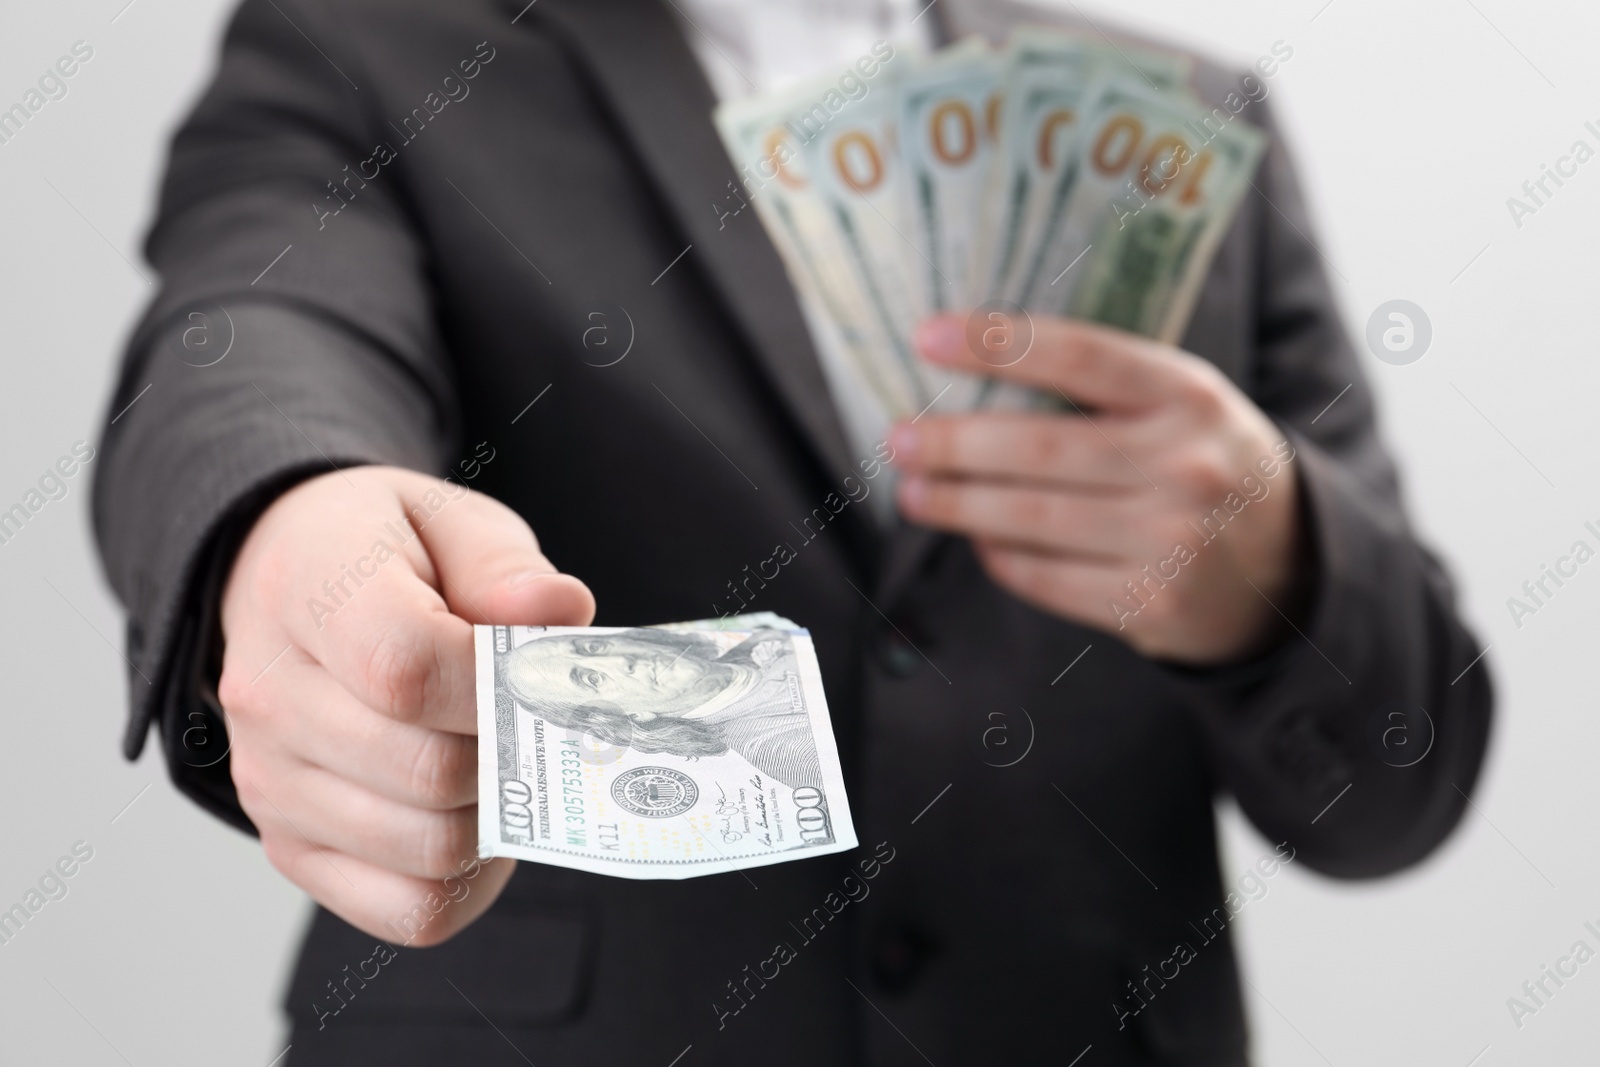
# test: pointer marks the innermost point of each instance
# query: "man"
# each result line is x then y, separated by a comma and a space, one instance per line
398, 223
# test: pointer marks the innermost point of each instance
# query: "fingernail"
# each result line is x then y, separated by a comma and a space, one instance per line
940, 338
906, 441
517, 581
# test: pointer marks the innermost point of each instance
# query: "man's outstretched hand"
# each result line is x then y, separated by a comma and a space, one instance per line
348, 684
1065, 510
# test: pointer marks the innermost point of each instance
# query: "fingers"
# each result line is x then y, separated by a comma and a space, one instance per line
1099, 526
307, 801
1089, 364
387, 579
394, 907
334, 570
398, 650
488, 563
405, 648
328, 728
1074, 589
1014, 445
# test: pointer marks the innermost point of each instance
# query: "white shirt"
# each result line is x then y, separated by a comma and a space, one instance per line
759, 46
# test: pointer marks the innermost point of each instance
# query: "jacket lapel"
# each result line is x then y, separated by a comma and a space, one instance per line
653, 84
908, 548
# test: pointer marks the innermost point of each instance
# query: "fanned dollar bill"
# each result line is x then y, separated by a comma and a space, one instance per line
949, 108
1046, 79
1155, 189
764, 136
857, 167
1049, 78
656, 752
1065, 174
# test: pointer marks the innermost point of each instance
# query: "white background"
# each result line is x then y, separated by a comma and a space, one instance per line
1413, 124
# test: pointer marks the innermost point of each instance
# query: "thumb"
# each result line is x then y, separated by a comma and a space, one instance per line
487, 561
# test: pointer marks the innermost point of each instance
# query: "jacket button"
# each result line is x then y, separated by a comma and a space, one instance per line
898, 957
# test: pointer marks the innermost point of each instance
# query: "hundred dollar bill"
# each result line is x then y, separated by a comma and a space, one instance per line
1049, 79
858, 169
1163, 72
995, 184
1159, 180
763, 136
1046, 78
656, 752
950, 123
949, 110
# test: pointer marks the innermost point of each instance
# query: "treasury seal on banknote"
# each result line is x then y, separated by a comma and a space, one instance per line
655, 792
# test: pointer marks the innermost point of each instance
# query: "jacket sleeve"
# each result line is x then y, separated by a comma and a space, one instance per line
283, 343
1379, 703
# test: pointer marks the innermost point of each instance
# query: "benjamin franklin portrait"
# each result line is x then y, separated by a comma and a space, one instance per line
675, 693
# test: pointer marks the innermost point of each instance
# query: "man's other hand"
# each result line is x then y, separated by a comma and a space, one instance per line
1149, 508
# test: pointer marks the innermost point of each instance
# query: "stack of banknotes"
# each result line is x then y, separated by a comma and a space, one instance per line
1059, 174
656, 752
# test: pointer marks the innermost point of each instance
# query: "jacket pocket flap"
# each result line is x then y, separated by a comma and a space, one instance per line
513, 967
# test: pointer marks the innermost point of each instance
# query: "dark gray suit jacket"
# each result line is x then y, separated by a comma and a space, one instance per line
1032, 910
